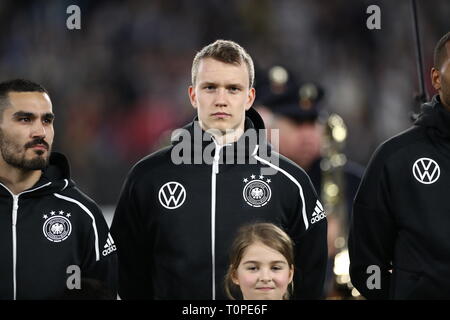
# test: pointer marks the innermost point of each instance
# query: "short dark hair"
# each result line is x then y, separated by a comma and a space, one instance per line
226, 51
440, 52
16, 85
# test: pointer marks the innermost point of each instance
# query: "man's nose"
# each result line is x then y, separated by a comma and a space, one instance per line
38, 131
221, 98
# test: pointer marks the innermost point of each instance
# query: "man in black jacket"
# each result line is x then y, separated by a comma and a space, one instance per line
54, 240
399, 239
180, 207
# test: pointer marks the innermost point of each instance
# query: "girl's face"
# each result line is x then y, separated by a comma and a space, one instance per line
263, 273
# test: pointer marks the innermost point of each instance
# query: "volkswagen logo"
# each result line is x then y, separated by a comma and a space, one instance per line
172, 195
426, 170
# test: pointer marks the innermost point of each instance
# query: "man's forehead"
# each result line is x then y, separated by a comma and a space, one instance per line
445, 64
447, 47
30, 101
212, 70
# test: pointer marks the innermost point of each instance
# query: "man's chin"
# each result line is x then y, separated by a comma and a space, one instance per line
39, 152
37, 162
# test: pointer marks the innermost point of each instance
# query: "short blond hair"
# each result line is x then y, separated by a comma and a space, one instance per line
226, 51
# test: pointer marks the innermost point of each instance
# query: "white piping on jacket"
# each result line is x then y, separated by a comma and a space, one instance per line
94, 225
305, 218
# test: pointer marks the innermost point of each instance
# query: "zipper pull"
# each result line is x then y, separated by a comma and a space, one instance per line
15, 208
216, 158
216, 165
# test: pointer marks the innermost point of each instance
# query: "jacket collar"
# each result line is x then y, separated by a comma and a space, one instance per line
203, 144
54, 178
435, 117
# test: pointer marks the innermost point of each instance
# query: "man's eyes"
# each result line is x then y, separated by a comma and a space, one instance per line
231, 89
28, 119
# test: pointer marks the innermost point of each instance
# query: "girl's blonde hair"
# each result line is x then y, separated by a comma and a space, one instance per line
265, 233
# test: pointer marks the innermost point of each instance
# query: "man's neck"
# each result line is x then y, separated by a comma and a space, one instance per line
444, 104
230, 137
18, 180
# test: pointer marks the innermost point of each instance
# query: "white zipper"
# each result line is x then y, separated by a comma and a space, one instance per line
14, 230
215, 171
14, 244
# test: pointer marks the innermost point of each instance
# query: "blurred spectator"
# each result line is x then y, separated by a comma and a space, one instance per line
316, 143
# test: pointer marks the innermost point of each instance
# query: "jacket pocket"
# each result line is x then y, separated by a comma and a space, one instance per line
407, 284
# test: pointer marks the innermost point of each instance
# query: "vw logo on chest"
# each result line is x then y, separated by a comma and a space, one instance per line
426, 170
172, 195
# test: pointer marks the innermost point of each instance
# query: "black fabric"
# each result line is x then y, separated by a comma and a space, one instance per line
401, 217
56, 227
168, 253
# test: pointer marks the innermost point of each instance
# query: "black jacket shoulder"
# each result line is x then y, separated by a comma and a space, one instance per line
151, 162
397, 144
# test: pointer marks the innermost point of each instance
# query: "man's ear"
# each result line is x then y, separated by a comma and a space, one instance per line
250, 98
436, 79
192, 96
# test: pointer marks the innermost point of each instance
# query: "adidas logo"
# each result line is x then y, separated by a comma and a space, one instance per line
318, 213
109, 246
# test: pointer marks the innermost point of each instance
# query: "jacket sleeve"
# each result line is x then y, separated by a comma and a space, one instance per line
127, 228
99, 268
372, 232
311, 251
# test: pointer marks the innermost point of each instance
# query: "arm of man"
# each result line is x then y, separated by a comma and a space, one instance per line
372, 233
99, 274
309, 233
127, 229
311, 257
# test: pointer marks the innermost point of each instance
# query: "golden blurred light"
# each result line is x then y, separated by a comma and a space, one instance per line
278, 75
331, 189
341, 263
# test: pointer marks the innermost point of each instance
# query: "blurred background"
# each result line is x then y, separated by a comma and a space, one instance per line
119, 85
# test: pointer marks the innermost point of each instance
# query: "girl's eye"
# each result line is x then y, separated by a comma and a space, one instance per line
276, 268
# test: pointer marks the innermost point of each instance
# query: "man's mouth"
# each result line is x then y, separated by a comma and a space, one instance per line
40, 147
221, 114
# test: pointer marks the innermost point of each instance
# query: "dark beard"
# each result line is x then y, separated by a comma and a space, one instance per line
37, 163
10, 152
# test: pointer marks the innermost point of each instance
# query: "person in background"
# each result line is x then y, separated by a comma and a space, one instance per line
305, 136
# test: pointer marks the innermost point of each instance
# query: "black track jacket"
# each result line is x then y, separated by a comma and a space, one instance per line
49, 231
174, 224
401, 218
